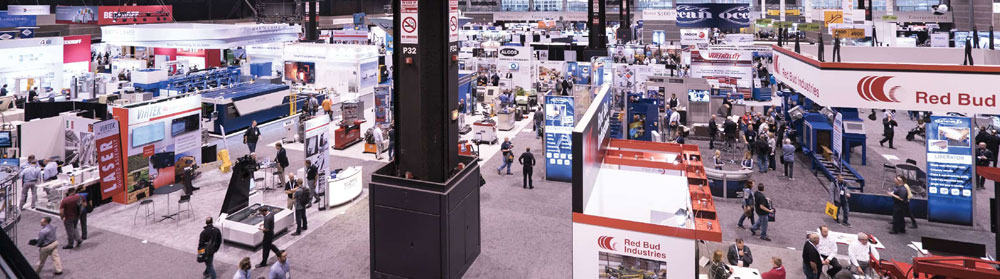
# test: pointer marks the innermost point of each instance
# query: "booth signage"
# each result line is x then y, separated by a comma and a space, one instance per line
722, 16
8, 35
107, 136
809, 26
113, 15
791, 12
559, 121
76, 49
939, 40
164, 109
9, 20
838, 136
317, 142
877, 89
509, 52
659, 14
28, 9
408, 22
831, 17
453, 21
662, 255
76, 14
852, 33
949, 170
694, 36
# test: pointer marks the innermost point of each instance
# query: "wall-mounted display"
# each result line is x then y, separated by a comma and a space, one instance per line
300, 72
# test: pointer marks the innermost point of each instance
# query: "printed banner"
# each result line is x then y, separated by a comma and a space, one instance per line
559, 121
76, 14
831, 17
109, 157
722, 16
852, 33
113, 15
949, 170
694, 37
9, 20
28, 9
317, 142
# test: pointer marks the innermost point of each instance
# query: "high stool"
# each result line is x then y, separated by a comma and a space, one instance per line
149, 207
888, 168
189, 210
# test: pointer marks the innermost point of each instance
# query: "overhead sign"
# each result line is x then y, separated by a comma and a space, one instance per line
408, 21
877, 86
792, 12
114, 15
694, 36
107, 136
831, 17
76, 14
722, 16
659, 14
76, 49
28, 9
9, 20
950, 155
453, 20
559, 122
852, 33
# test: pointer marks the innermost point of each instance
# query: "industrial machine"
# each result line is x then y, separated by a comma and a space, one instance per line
349, 133
236, 107
484, 131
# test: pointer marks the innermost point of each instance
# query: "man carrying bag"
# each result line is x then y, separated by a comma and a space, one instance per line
208, 243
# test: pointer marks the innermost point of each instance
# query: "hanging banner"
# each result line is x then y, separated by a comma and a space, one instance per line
949, 170
659, 14
559, 121
847, 7
852, 33
114, 15
9, 20
28, 9
694, 37
831, 17
408, 22
317, 142
109, 157
76, 14
722, 16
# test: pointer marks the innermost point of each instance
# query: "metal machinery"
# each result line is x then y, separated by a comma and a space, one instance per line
349, 133
236, 107
191, 82
937, 267
10, 212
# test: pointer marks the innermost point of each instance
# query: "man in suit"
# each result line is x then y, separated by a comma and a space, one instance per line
527, 161
739, 253
888, 130
268, 229
282, 159
983, 158
811, 260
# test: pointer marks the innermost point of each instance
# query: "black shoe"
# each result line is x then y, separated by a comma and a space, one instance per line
892, 232
524, 187
260, 265
741, 226
881, 144
68, 247
846, 224
765, 238
913, 226
532, 187
296, 233
753, 232
58, 273
836, 220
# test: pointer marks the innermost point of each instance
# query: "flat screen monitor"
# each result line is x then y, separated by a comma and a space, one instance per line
150, 133
10, 162
184, 124
5, 140
300, 72
698, 96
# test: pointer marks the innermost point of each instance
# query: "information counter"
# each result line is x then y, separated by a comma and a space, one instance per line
344, 187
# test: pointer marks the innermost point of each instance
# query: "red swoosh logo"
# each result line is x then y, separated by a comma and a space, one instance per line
872, 88
878, 89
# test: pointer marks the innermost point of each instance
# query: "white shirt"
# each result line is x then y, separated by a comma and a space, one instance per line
859, 252
51, 170
675, 117
827, 246
377, 135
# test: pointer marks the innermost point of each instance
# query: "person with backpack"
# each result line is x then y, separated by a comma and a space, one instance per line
763, 208
748, 203
302, 199
208, 243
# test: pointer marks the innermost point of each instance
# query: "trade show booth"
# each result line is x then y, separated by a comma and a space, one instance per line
30, 63
340, 68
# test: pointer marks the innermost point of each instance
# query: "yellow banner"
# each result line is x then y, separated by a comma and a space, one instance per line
792, 12
830, 17
852, 33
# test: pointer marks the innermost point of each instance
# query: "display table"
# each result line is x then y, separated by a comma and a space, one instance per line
242, 227
740, 272
51, 193
343, 188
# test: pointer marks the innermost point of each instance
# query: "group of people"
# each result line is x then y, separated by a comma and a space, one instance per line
763, 135
210, 240
527, 161
73, 211
755, 203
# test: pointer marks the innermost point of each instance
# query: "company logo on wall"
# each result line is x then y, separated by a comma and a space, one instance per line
737, 15
687, 14
605, 243
872, 88
509, 52
714, 15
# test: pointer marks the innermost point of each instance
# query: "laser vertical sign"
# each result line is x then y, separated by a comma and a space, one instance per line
452, 21
408, 23
109, 157
949, 170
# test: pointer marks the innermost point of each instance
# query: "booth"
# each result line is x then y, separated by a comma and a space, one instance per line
30, 63
232, 109
340, 68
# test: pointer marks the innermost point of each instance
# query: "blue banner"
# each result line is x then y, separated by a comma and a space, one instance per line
949, 170
559, 121
722, 16
7, 21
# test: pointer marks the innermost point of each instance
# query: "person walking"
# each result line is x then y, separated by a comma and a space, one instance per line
282, 162
48, 246
267, 245
508, 155
748, 205
772, 146
302, 200
31, 175
390, 134
243, 271
713, 130
313, 105
888, 130
763, 151
539, 122
378, 138
909, 196
3, 90
527, 161
328, 108
312, 175
208, 243
827, 249
69, 211
812, 262
899, 196
840, 197
251, 136
763, 208
788, 158
280, 269
739, 254
983, 157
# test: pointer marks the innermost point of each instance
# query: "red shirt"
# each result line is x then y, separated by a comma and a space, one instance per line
775, 273
70, 207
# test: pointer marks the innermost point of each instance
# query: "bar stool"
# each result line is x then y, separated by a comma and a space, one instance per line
148, 205
888, 168
189, 210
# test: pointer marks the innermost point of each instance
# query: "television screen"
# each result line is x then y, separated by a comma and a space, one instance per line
300, 72
11, 162
5, 139
183, 124
698, 96
147, 134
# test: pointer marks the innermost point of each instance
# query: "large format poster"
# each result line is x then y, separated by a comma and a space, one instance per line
722, 16
725, 67
76, 14
559, 121
109, 157
114, 15
318, 142
949, 170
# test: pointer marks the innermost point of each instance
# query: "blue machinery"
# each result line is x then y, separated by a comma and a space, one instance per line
201, 80
816, 134
234, 108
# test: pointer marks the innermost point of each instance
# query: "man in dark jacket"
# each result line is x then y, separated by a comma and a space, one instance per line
312, 172
208, 243
302, 199
763, 208
267, 228
527, 161
888, 130
812, 263
983, 158
282, 159
713, 129
251, 136
739, 253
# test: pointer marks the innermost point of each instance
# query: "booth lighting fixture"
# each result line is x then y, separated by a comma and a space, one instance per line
454, 114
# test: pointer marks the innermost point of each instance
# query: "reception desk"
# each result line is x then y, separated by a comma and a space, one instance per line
727, 183
346, 186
